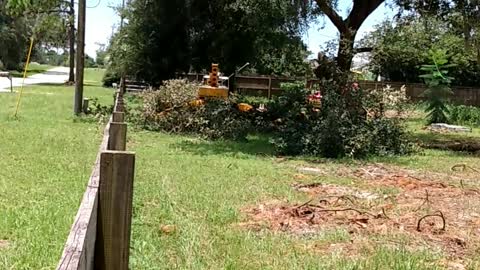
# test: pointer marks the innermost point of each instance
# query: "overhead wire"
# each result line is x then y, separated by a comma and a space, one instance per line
95, 6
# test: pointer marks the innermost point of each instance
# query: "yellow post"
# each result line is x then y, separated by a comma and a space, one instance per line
24, 75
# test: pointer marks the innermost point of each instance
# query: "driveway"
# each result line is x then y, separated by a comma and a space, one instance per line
58, 75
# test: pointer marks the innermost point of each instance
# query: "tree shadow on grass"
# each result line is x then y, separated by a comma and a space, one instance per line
460, 143
257, 145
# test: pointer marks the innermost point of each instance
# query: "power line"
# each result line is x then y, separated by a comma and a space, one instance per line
98, 4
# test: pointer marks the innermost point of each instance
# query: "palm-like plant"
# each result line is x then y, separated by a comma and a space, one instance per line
438, 82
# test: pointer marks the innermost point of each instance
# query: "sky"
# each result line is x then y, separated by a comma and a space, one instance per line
102, 19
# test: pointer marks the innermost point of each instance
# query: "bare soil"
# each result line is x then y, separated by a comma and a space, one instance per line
431, 213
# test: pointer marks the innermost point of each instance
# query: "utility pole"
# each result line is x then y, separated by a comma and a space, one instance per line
71, 76
123, 87
80, 63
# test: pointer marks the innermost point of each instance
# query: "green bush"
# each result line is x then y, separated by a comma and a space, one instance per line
340, 128
110, 77
465, 115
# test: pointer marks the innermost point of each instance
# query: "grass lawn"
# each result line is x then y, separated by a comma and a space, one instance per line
45, 161
196, 203
189, 196
32, 70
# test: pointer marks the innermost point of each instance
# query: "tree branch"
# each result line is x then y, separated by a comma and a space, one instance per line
336, 19
360, 12
362, 50
49, 11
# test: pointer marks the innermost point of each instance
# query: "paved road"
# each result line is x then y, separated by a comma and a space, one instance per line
58, 75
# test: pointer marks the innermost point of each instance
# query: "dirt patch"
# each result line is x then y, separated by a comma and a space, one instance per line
335, 191
381, 175
431, 213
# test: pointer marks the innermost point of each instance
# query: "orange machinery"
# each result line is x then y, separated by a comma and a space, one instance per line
213, 88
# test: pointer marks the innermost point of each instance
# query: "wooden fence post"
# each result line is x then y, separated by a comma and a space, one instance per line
114, 210
118, 137
118, 117
119, 106
86, 103
270, 87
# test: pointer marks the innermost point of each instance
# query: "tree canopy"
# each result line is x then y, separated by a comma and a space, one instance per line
164, 37
401, 47
21, 20
361, 10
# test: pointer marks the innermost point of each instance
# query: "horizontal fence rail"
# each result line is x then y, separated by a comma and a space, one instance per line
100, 235
269, 86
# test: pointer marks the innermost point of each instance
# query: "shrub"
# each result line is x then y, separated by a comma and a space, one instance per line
99, 111
340, 128
438, 90
465, 115
110, 77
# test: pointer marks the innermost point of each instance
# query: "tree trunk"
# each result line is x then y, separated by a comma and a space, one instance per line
71, 76
348, 27
346, 51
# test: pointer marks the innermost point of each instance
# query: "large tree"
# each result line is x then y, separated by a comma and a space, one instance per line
400, 48
13, 39
348, 27
163, 37
49, 21
154, 42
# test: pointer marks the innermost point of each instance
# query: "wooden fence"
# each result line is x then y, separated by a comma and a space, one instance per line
100, 235
269, 86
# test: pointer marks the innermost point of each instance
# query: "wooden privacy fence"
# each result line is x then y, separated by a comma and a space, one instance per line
100, 235
269, 86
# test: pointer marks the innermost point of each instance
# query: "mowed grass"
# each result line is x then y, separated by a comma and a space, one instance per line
188, 201
46, 157
188, 197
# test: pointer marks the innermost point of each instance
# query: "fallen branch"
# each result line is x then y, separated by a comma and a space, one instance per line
384, 213
425, 201
347, 209
344, 197
304, 204
437, 214
463, 167
338, 198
